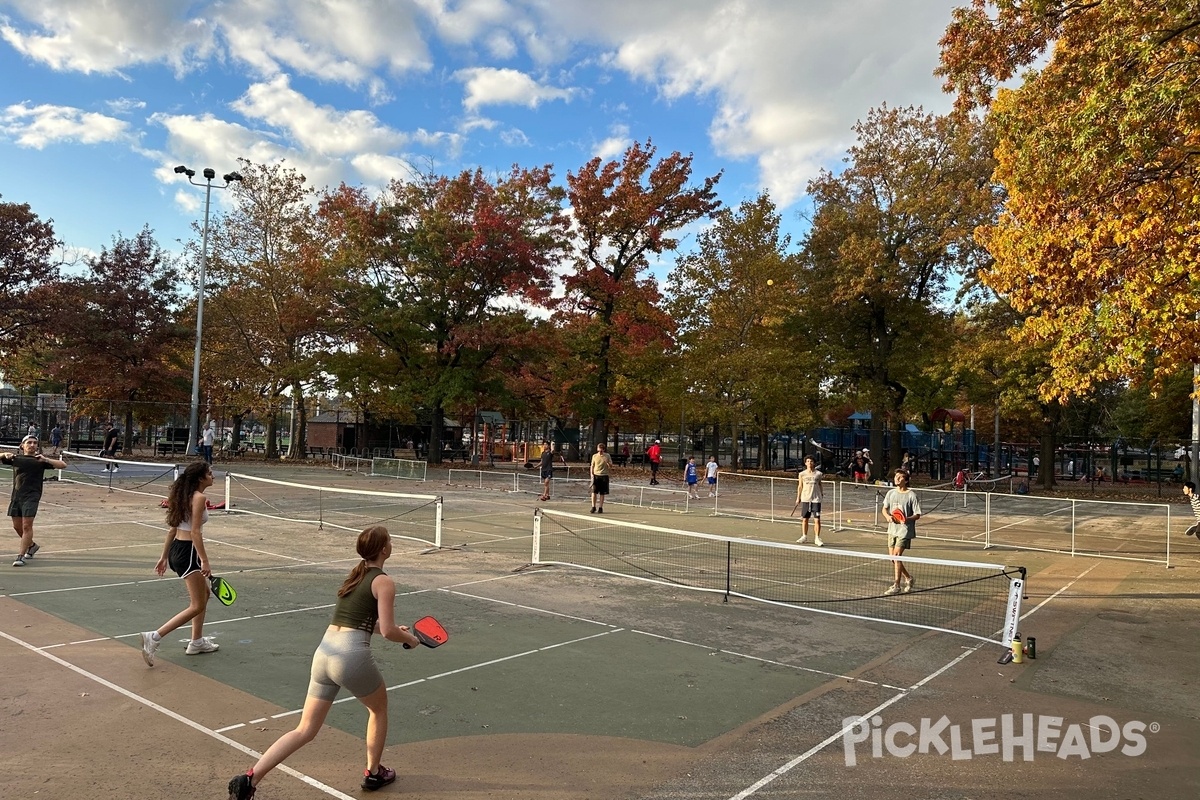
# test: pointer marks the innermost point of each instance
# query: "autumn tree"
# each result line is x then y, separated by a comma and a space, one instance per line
625, 213
888, 234
28, 268
117, 336
270, 297
1099, 243
440, 272
730, 299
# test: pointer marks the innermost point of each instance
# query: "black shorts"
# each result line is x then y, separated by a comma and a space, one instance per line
600, 484
810, 510
183, 558
547, 473
654, 467
26, 506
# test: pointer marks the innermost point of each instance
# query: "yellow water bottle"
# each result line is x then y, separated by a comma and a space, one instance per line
1017, 650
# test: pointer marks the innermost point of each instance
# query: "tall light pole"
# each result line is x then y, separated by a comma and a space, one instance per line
229, 178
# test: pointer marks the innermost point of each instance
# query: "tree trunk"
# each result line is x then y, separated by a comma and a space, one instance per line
435, 435
127, 445
1050, 414
271, 448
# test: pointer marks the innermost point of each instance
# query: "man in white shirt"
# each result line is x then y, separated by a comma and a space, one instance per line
808, 498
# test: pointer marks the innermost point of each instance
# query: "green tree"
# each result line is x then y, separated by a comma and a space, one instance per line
272, 290
888, 234
730, 301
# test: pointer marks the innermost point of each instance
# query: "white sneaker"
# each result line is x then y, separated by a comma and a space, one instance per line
893, 589
116, 469
803, 539
149, 647
908, 585
202, 645
819, 543
104, 470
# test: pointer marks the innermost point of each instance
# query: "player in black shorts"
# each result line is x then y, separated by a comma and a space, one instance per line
29, 473
184, 553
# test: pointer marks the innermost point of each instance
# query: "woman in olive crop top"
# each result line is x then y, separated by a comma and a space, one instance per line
365, 606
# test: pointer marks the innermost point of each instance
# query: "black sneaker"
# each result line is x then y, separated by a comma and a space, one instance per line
240, 787
33, 548
600, 510
380, 779
593, 511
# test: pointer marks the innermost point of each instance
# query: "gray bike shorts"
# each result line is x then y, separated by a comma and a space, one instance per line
344, 659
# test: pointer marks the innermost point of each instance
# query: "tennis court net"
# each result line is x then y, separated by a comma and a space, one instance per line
417, 517
961, 597
152, 478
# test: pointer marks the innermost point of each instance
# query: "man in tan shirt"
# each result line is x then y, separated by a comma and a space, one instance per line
600, 469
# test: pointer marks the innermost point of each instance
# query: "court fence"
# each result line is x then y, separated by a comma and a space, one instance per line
575, 488
991, 519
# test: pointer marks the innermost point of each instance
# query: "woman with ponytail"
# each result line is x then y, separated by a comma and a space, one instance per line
183, 551
365, 607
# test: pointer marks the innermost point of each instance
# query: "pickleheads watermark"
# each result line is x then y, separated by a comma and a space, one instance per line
1008, 736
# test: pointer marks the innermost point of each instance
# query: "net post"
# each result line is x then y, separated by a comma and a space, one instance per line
228, 490
728, 569
987, 521
537, 536
437, 525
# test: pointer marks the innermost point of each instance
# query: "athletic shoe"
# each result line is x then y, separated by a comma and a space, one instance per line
382, 777
895, 587
593, 511
105, 469
803, 539
908, 585
600, 510
240, 787
20, 562
818, 542
33, 548
202, 645
116, 469
149, 647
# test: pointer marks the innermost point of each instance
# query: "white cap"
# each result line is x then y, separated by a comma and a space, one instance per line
866, 451
29, 438
656, 441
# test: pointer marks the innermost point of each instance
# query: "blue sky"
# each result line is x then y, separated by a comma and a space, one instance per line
99, 101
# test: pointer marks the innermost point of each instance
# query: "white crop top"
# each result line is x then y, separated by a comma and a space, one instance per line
186, 525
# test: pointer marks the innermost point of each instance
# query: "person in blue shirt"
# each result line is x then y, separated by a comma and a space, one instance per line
692, 477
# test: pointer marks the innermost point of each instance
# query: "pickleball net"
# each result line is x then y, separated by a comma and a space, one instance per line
153, 478
960, 597
417, 517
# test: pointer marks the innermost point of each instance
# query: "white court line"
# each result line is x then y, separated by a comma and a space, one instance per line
137, 698
769, 661
812, 751
458, 671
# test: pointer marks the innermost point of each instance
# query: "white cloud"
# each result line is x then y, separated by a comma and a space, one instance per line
86, 36
39, 126
614, 145
468, 20
490, 86
319, 128
340, 41
125, 105
379, 169
790, 79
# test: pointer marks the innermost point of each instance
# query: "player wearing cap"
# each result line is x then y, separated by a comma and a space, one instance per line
29, 473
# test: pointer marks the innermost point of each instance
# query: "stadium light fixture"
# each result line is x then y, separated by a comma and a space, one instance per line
230, 178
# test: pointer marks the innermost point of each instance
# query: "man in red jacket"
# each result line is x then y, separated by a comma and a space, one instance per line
654, 452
